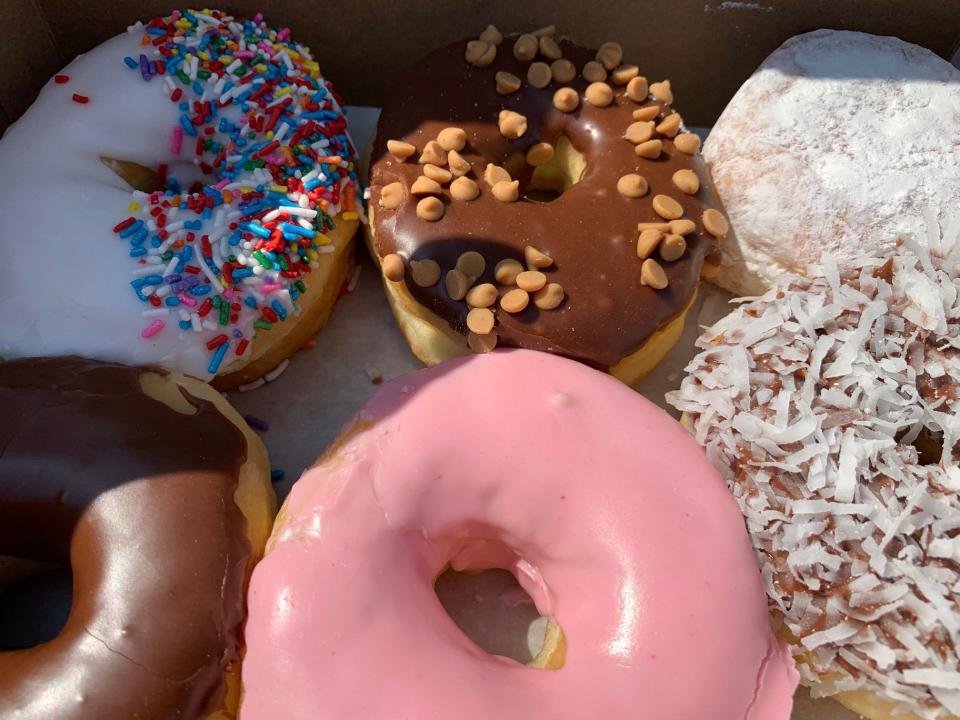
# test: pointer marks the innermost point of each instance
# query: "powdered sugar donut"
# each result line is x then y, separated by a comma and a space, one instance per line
840, 142
825, 404
237, 252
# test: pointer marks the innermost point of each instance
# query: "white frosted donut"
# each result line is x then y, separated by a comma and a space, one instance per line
840, 142
74, 234
822, 403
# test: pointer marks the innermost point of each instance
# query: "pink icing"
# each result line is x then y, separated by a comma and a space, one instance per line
603, 506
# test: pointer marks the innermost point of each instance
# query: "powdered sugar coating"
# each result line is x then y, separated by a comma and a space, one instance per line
838, 143
802, 398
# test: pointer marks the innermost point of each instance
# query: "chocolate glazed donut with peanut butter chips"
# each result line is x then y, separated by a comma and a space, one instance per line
157, 495
529, 192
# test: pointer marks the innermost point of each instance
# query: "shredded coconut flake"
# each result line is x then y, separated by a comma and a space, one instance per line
816, 401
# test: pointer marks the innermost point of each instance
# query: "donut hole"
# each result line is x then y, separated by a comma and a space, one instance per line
35, 600
551, 180
491, 609
928, 442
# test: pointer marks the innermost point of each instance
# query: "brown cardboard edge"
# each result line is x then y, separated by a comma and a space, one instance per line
707, 48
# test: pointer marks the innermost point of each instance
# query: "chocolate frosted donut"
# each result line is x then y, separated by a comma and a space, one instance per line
497, 156
153, 491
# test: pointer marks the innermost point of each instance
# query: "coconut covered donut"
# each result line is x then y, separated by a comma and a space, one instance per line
654, 599
830, 407
156, 494
232, 248
537, 194
840, 143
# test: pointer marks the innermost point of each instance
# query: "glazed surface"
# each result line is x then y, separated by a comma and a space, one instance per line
602, 506
137, 499
590, 231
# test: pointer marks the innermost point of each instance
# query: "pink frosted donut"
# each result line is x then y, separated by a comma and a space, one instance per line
604, 508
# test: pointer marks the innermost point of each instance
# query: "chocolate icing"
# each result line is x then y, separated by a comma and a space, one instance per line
590, 231
138, 499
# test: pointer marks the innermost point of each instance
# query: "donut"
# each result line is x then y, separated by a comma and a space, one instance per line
196, 211
594, 246
156, 494
838, 144
639, 559
830, 405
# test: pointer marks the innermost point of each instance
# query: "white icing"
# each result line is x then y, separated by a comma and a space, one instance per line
856, 540
65, 288
840, 142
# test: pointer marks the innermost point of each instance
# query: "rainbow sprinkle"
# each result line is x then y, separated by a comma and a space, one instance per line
268, 134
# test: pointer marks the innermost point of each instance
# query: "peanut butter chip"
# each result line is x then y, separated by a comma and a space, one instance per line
426, 273
539, 154
646, 113
526, 47
452, 138
483, 295
715, 223
506, 191
536, 260
492, 35
548, 297
687, 143
566, 99
684, 226
546, 30
673, 247
663, 227
437, 174
539, 74
507, 83
549, 48
458, 166
652, 274
531, 280
686, 181
563, 71
624, 74
639, 132
637, 89
599, 94
632, 186
514, 301
670, 125
481, 343
610, 55
480, 53
400, 150
457, 284
393, 267
494, 174
594, 72
430, 209
666, 207
512, 124
425, 186
391, 196
506, 271
647, 243
662, 92
650, 149
433, 153
464, 189
472, 264
480, 321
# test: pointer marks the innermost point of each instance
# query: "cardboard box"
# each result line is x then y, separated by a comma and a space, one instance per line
707, 48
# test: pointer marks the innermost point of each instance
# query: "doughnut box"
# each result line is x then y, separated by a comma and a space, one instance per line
707, 48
